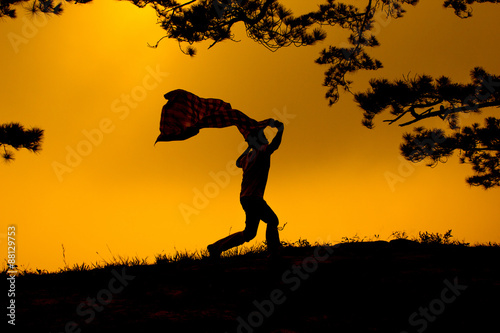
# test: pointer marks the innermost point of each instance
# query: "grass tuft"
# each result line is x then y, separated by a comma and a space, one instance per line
431, 238
255, 249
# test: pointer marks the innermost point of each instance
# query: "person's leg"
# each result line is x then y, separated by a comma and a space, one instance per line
226, 243
238, 238
272, 235
251, 207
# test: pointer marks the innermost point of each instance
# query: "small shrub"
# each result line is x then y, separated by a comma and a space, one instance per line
399, 235
437, 238
357, 239
353, 239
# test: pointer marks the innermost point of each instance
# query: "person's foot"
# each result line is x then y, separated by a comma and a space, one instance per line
213, 251
274, 255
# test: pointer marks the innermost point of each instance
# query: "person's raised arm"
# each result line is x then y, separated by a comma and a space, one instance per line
277, 138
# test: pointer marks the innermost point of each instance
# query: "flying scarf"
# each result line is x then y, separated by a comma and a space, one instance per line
185, 114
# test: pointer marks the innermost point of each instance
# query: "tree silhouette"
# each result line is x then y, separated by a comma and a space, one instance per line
424, 97
267, 22
8, 7
271, 24
15, 136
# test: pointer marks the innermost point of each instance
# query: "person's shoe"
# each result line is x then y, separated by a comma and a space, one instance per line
213, 251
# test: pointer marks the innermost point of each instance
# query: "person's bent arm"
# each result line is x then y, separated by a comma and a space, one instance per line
238, 161
277, 138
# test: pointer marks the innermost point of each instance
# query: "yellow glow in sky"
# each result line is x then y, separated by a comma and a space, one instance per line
100, 188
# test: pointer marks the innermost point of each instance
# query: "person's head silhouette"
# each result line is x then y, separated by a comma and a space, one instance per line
257, 139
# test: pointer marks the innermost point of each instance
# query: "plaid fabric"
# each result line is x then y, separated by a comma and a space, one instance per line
185, 114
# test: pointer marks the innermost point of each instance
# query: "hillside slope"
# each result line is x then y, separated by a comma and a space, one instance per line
400, 286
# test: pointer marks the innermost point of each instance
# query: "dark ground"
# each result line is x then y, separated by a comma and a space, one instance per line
400, 286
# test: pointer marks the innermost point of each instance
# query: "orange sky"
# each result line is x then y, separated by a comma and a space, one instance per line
101, 188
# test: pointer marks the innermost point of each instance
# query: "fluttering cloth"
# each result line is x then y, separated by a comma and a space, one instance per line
185, 114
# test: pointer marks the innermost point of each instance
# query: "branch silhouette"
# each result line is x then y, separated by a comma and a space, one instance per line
405, 97
476, 145
14, 135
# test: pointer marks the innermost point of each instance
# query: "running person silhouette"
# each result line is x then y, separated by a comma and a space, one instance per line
255, 162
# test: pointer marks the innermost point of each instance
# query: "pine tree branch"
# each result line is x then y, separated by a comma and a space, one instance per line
443, 113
